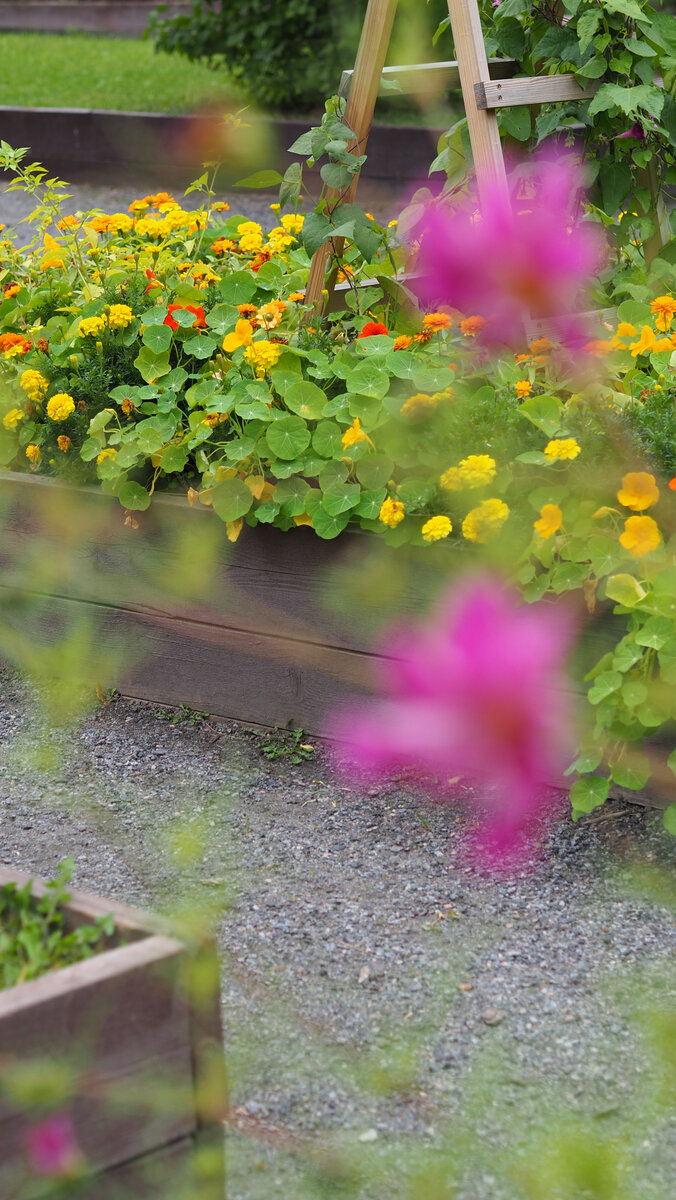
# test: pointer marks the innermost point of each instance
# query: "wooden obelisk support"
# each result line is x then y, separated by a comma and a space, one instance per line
375, 39
482, 125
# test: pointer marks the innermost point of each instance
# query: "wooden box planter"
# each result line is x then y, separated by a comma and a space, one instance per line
115, 18
124, 1021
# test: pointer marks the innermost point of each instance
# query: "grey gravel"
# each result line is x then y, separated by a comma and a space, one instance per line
351, 919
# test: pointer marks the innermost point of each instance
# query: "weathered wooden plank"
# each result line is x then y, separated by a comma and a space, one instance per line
373, 45
162, 1175
536, 89
473, 67
549, 327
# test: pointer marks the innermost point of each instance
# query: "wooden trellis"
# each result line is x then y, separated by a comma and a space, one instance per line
486, 87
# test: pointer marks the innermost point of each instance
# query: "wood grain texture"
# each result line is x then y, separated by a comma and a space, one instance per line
414, 78
482, 125
538, 89
373, 45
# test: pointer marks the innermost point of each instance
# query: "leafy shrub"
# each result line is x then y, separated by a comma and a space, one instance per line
285, 56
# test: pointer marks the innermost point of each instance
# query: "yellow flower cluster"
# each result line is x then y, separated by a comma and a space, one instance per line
419, 405
474, 471
11, 419
60, 406
33, 454
550, 521
34, 385
482, 522
262, 356
392, 512
120, 316
92, 326
561, 449
436, 528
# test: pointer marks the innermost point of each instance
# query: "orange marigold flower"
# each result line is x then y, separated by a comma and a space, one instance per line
523, 387
540, 346
220, 206
437, 321
472, 326
672, 484
10, 289
425, 335
63, 442
12, 344
402, 342
663, 308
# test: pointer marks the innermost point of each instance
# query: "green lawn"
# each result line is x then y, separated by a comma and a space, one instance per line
82, 71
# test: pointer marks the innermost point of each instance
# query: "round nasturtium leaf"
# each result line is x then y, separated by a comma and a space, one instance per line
327, 439
288, 437
231, 499
132, 495
306, 399
374, 471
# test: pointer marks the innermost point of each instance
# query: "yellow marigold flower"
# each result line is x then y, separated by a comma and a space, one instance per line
109, 452
120, 223
419, 405
292, 222
119, 316
392, 512
638, 491
11, 419
127, 406
645, 343
551, 519
562, 448
262, 356
211, 420
663, 308
63, 442
33, 454
436, 528
437, 321
477, 469
523, 387
640, 536
354, 435
9, 290
242, 336
138, 206
249, 227
34, 385
270, 315
92, 326
250, 242
625, 330
296, 297
60, 406
472, 326
452, 480
68, 222
17, 350
485, 520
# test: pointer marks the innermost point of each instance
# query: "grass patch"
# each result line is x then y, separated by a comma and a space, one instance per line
83, 71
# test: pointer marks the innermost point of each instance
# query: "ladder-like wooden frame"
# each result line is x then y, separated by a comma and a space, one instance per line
486, 87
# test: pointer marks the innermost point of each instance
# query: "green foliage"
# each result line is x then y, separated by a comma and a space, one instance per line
284, 56
287, 744
182, 716
33, 935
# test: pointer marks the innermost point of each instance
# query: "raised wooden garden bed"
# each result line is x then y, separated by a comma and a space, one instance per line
124, 1020
116, 18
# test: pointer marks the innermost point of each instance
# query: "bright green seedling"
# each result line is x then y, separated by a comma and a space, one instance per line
34, 938
182, 715
284, 743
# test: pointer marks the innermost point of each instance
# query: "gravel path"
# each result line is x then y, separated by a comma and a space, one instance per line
352, 920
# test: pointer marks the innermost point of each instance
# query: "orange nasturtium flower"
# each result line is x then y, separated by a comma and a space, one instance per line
638, 491
663, 307
645, 343
640, 536
523, 387
551, 520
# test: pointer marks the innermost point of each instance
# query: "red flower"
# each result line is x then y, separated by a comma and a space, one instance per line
672, 484
371, 328
198, 323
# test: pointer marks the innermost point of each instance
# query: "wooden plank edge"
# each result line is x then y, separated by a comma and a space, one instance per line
534, 89
446, 73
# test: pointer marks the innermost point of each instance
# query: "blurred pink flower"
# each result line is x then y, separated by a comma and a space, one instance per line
52, 1149
481, 692
510, 262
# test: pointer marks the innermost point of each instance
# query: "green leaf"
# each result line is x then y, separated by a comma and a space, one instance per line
624, 589
157, 337
370, 503
327, 439
287, 371
594, 69
306, 399
604, 685
231, 499
238, 288
148, 438
568, 577
367, 380
634, 693
589, 793
151, 366
261, 179
201, 346
335, 175
633, 775
173, 458
544, 411
628, 99
316, 230
587, 25
292, 495
669, 819
374, 470
534, 457
340, 498
288, 437
327, 525
432, 378
655, 633
516, 121
302, 145
626, 655
403, 364
132, 495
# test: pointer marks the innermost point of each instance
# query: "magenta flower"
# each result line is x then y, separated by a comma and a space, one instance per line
52, 1149
480, 692
512, 261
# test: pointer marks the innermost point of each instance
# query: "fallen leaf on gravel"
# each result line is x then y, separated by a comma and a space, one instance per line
371, 1135
493, 1016
465, 987
364, 974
